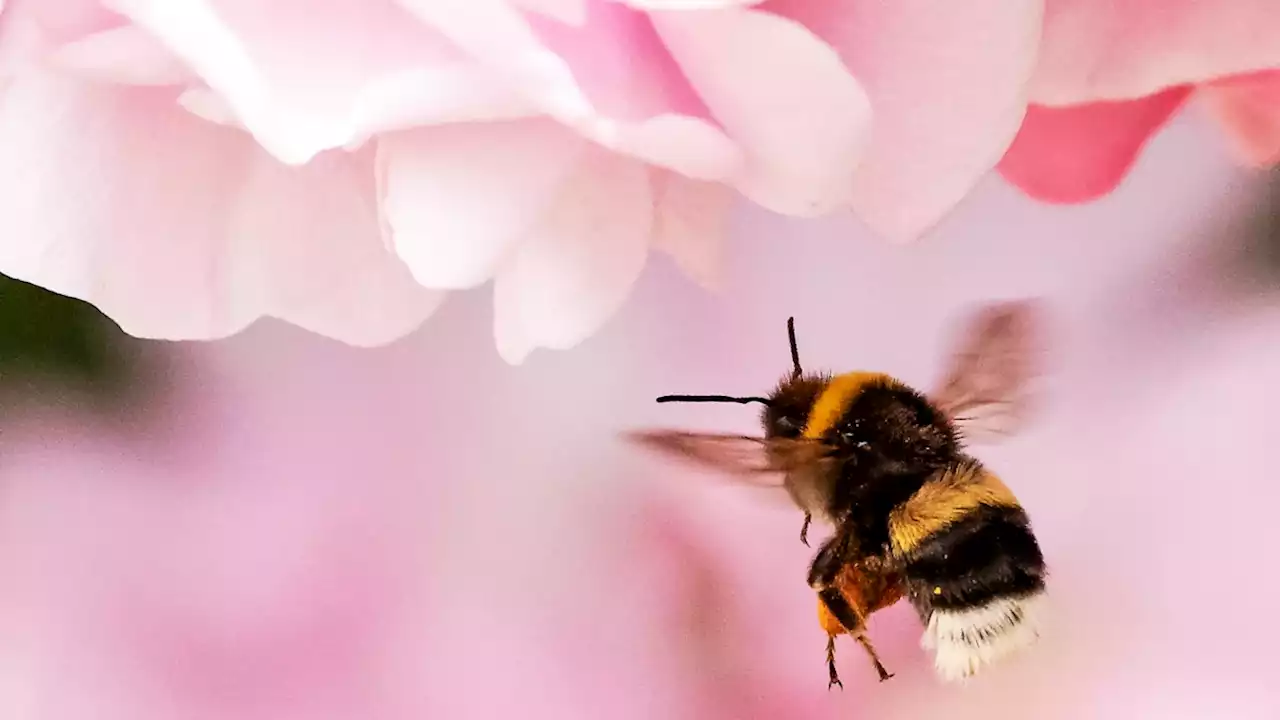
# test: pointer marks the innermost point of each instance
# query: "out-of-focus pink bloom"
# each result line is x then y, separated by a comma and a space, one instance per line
1094, 50
947, 87
1248, 107
1082, 152
1110, 75
174, 226
216, 160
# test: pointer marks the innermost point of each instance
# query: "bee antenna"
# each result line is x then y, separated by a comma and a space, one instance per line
795, 351
714, 399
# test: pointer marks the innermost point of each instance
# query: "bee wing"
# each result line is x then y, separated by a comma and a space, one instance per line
753, 459
987, 390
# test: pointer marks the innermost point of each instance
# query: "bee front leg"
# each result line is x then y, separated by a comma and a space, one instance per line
804, 529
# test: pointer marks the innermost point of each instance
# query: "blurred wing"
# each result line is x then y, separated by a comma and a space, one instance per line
996, 360
761, 461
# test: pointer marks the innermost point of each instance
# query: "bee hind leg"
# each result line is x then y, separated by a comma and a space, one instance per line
847, 617
831, 664
804, 529
875, 659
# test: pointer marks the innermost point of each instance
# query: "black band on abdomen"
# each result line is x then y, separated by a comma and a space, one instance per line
988, 555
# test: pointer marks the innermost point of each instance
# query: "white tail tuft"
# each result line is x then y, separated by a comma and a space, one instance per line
964, 641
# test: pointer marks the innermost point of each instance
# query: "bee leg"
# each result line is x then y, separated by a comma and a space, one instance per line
828, 563
831, 664
804, 529
850, 621
875, 659
841, 610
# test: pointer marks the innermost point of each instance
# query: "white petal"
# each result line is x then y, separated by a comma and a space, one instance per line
457, 197
499, 36
800, 115
609, 79
209, 106
306, 77
687, 145
947, 83
312, 236
180, 229
577, 267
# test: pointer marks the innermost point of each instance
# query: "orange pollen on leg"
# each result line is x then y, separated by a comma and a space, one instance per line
829, 623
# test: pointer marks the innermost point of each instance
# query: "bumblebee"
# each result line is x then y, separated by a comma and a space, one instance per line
914, 515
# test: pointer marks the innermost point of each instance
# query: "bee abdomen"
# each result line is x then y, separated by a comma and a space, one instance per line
973, 568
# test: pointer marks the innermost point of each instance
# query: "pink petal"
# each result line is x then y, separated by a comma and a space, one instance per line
1108, 50
313, 238
576, 268
687, 145
1248, 107
65, 20
22, 41
30, 29
946, 86
608, 77
457, 197
180, 229
796, 109
659, 5
498, 35
691, 225
1081, 153
304, 77
126, 55
641, 102
209, 106
569, 12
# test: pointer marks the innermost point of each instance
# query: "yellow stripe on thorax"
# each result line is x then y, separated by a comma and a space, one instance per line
835, 399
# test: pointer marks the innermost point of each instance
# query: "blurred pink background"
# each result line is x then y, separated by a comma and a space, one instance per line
304, 530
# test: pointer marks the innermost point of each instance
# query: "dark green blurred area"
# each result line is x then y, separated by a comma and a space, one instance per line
54, 348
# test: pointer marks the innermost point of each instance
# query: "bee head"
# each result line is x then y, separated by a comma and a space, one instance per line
787, 409
790, 404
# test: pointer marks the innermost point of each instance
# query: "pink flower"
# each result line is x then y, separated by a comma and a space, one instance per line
191, 165
174, 226
1110, 75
